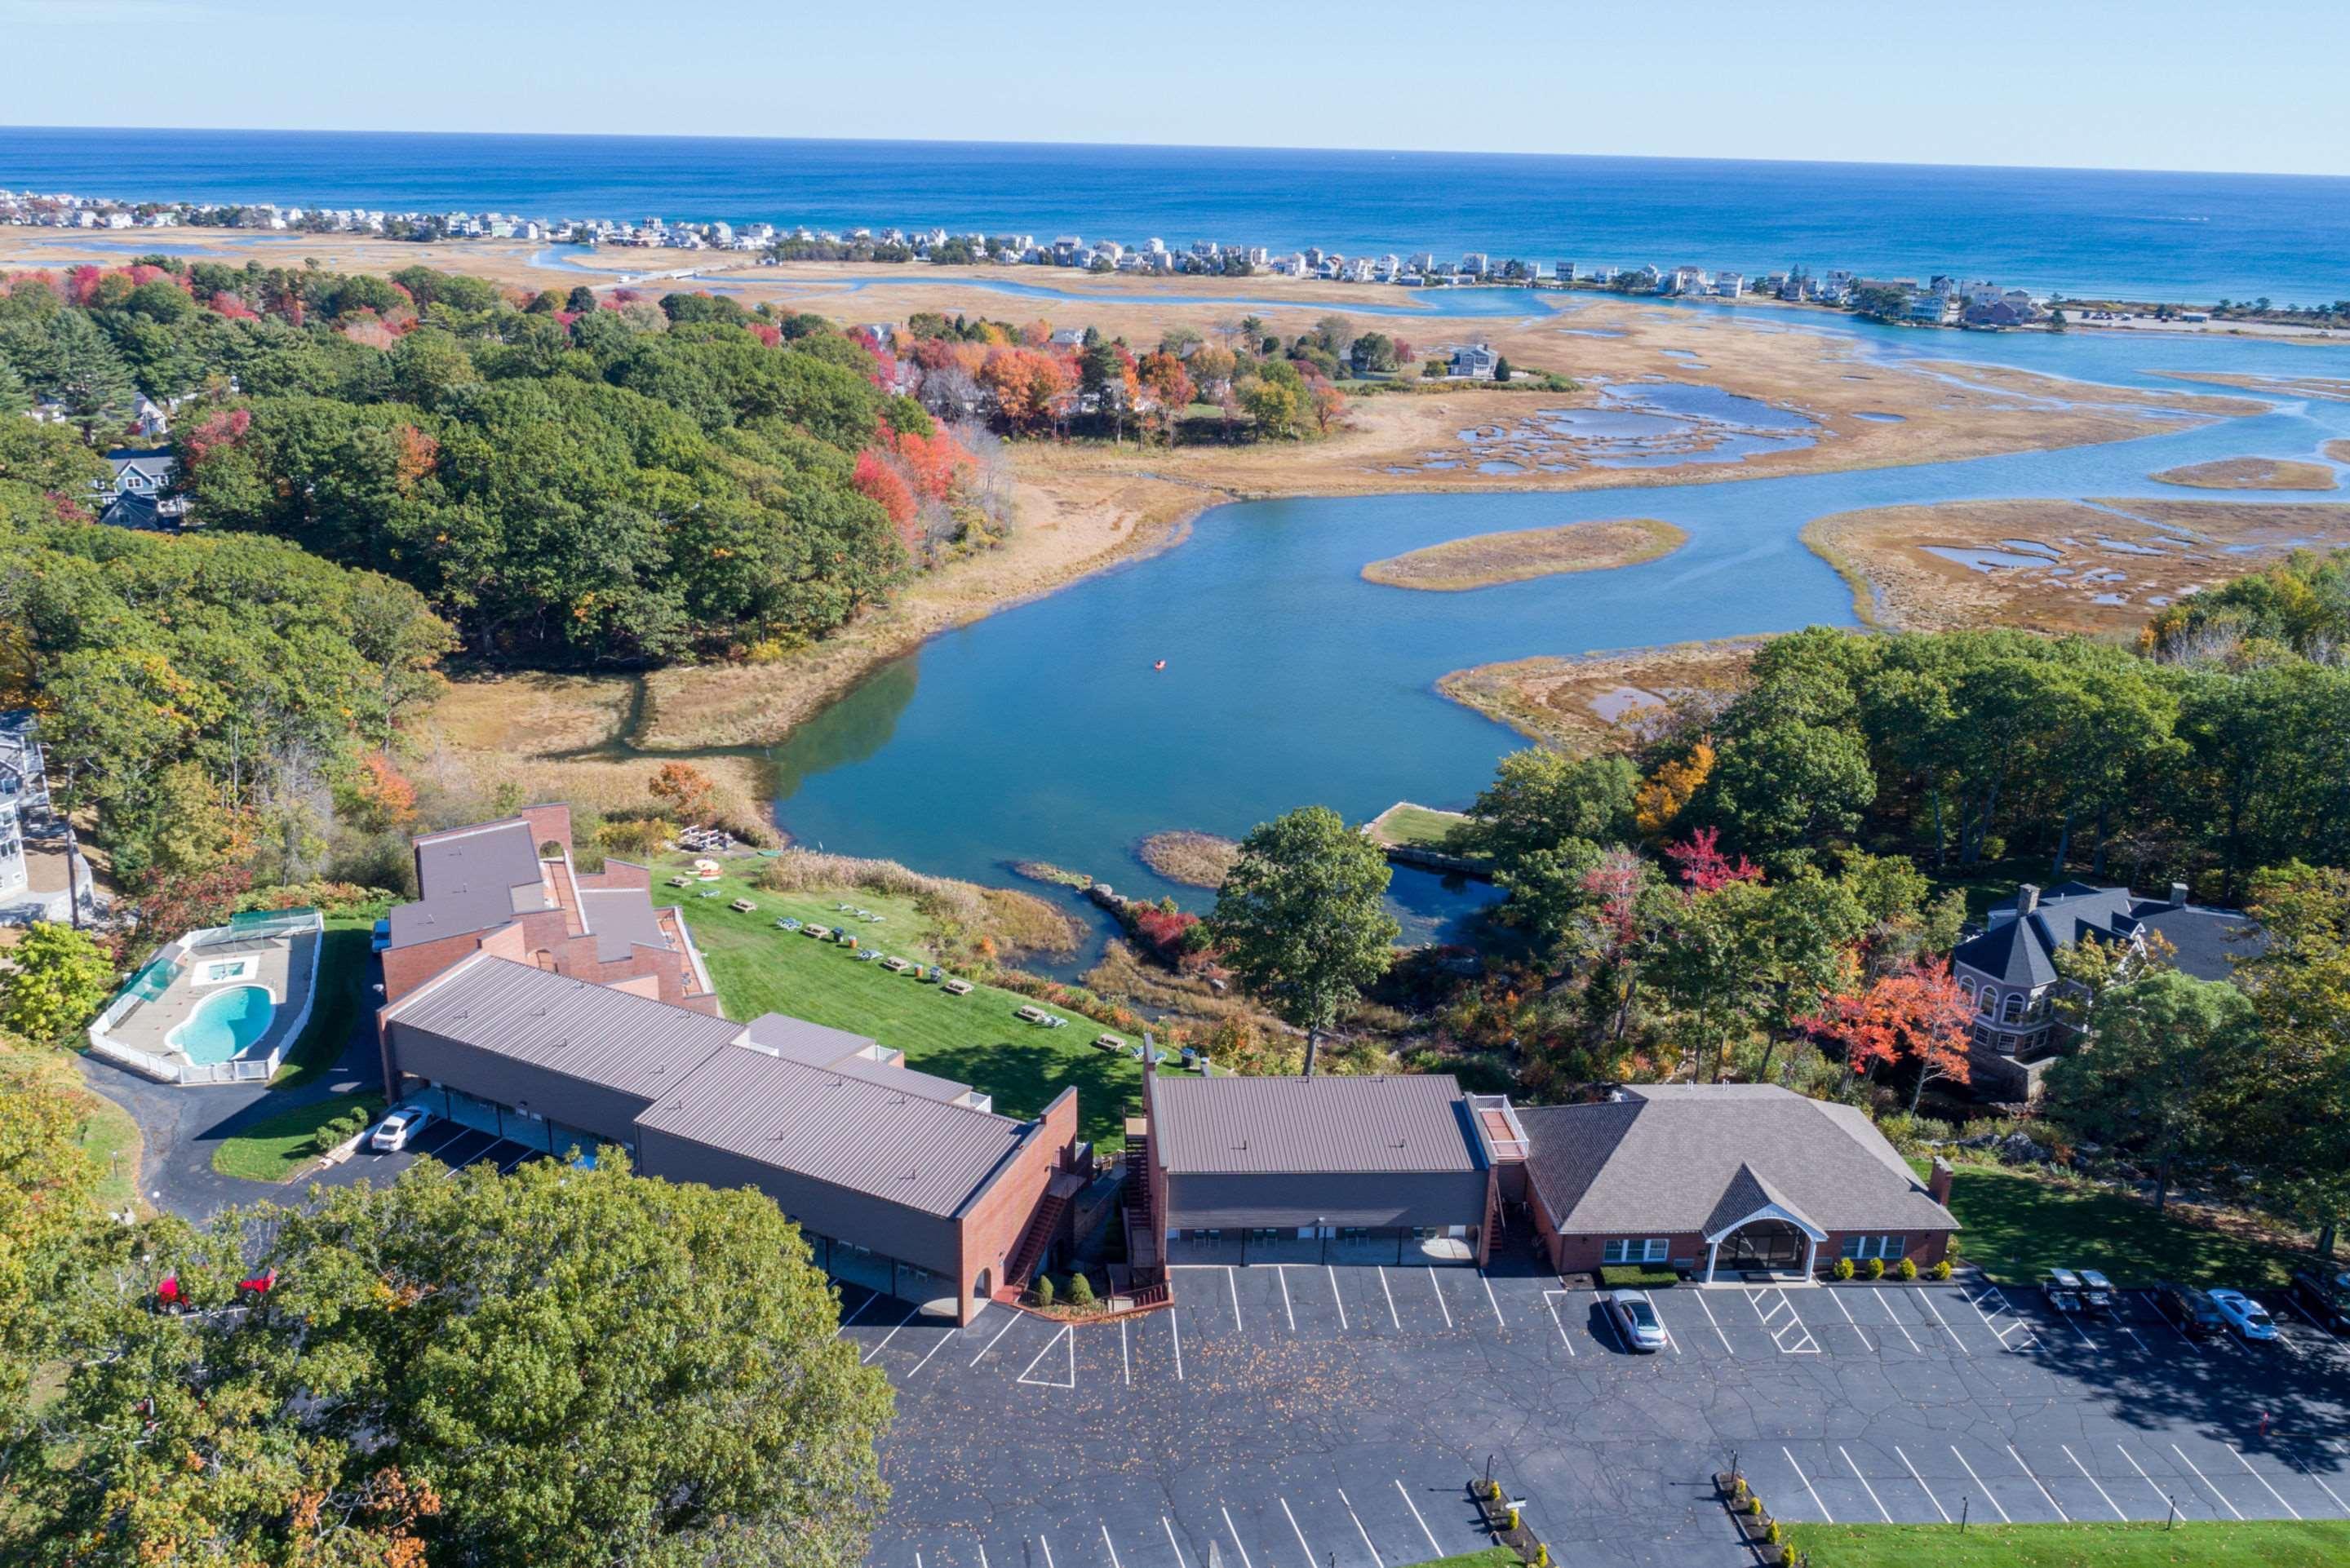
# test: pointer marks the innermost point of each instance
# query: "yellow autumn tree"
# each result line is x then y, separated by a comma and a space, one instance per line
1661, 801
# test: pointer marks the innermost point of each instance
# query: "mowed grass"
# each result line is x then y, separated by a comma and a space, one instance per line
2017, 1225
1491, 1557
973, 1039
274, 1147
2270, 1544
342, 975
1416, 826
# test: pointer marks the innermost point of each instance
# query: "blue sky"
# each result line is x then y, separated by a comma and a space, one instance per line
2159, 84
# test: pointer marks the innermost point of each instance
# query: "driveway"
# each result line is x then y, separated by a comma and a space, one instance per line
1305, 1417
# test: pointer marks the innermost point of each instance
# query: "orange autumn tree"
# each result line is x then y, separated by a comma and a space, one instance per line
1025, 383
685, 790
1914, 1017
1171, 391
1659, 804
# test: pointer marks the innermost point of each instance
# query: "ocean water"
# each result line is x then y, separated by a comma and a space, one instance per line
2158, 235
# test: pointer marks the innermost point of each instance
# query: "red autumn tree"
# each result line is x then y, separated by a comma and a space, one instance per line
765, 331
220, 428
934, 462
878, 478
232, 305
419, 454
1916, 1017
683, 789
1704, 868
81, 284
1171, 389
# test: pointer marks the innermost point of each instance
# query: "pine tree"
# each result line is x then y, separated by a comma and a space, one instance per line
90, 379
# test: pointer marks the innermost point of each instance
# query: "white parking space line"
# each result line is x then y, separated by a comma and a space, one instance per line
1236, 1535
2170, 1325
1298, 1533
1114, 1563
982, 1555
1379, 1560
1608, 1316
2264, 1481
991, 1344
1049, 1551
1164, 1523
1390, 1295
1125, 1353
2073, 1324
1175, 1327
1800, 1476
1286, 1309
1717, 1325
1989, 1496
1886, 1302
1499, 1321
1865, 1486
2214, 1491
1068, 1336
1837, 1297
941, 1343
2036, 1481
1945, 1323
888, 1337
852, 1317
2160, 1496
2328, 1490
1434, 1551
1439, 1297
1922, 1486
1335, 1297
2018, 1325
2093, 1480
1550, 1300
1232, 1282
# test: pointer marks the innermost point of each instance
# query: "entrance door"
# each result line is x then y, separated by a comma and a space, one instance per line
1764, 1244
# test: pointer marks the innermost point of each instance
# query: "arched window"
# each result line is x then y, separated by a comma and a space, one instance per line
1989, 1001
2012, 1012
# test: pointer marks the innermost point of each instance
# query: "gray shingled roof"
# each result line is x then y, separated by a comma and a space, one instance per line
1234, 1126
2207, 940
847, 1130
468, 878
581, 1030
1683, 1158
2018, 950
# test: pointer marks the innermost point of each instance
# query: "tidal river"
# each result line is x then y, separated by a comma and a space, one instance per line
1047, 733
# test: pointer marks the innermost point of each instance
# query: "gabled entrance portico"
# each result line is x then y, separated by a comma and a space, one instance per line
1773, 1236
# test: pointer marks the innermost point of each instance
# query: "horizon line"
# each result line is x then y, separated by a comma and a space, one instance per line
1162, 147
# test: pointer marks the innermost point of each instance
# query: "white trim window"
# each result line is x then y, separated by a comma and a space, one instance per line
1860, 1248
1636, 1249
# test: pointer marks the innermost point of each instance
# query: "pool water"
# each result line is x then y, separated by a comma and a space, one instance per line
225, 1024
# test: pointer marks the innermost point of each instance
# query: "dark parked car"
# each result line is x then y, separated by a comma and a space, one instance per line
2323, 1296
2193, 1313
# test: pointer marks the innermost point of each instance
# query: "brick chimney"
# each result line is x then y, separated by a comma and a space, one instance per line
1937, 1183
2179, 895
2027, 898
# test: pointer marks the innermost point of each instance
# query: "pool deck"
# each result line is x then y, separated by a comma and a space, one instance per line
288, 967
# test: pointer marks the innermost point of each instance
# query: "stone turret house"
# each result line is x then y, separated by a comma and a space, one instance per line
2009, 968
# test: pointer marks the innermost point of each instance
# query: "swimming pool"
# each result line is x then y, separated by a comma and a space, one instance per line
225, 1024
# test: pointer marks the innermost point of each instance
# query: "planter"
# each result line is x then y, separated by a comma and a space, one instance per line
1494, 1512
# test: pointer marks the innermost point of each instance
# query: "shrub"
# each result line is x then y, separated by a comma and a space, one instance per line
1755, 1504
1908, 1269
1941, 1271
1771, 1532
1514, 1519
1638, 1276
1044, 1290
1843, 1270
1875, 1268
1081, 1290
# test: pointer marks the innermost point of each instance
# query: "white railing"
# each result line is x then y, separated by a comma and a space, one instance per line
174, 1066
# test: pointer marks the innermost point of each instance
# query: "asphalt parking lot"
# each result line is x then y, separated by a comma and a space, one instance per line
1300, 1416
451, 1143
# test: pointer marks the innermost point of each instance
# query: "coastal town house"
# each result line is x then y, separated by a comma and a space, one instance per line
1473, 362
2009, 968
43, 874
137, 493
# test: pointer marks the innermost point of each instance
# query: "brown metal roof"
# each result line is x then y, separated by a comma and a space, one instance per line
1238, 1125
854, 1132
570, 1026
471, 879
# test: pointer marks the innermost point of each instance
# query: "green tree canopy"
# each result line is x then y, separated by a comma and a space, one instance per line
1302, 918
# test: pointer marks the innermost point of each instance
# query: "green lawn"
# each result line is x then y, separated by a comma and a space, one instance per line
277, 1147
1416, 826
1491, 1557
2017, 1225
342, 977
2269, 1544
973, 1039
108, 1135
